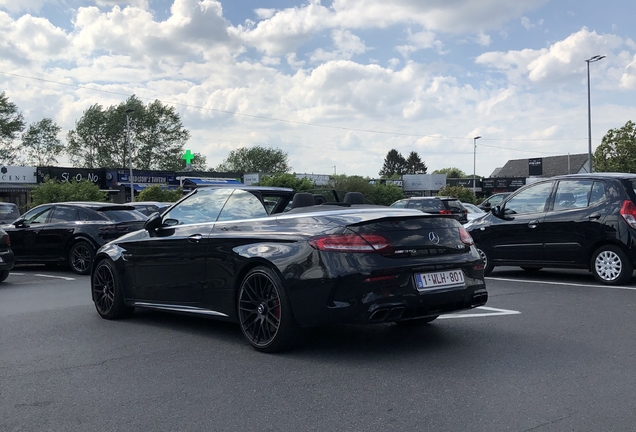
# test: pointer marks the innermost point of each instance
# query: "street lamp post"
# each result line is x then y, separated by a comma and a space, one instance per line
589, 111
132, 189
474, 160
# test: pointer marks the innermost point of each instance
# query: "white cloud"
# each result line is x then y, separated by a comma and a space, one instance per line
346, 46
560, 62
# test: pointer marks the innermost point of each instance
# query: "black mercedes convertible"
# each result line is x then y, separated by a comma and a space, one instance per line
277, 262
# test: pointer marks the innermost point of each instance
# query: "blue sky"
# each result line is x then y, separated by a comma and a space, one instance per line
336, 84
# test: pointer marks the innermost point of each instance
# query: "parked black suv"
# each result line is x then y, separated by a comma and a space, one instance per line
436, 205
585, 221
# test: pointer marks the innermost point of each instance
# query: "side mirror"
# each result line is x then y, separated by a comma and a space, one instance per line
486, 204
153, 222
19, 223
496, 211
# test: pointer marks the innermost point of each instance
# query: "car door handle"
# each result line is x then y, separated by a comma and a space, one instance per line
533, 223
594, 216
195, 238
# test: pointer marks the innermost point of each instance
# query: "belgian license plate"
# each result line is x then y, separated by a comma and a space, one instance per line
443, 279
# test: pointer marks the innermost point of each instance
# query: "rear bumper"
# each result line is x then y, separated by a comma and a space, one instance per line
6, 260
347, 302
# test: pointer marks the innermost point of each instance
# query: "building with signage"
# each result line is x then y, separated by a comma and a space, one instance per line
519, 172
423, 184
16, 183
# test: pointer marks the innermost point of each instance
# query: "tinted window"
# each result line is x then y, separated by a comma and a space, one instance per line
598, 193
426, 205
271, 202
531, 200
64, 214
571, 194
82, 215
203, 206
37, 215
9, 212
242, 205
122, 215
455, 206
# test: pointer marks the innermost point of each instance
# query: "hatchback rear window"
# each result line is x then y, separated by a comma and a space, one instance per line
426, 205
123, 215
455, 205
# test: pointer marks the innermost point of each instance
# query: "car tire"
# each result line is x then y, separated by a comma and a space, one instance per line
611, 266
417, 322
80, 257
107, 292
486, 259
265, 314
531, 269
4, 275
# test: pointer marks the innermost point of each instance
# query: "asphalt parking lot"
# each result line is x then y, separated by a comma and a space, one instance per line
552, 351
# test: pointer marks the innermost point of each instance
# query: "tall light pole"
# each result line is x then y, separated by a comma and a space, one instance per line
132, 189
474, 160
589, 111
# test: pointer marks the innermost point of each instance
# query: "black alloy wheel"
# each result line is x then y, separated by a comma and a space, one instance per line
265, 313
80, 257
107, 292
486, 259
4, 275
611, 266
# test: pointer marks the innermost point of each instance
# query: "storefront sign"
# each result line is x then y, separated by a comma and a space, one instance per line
72, 174
17, 174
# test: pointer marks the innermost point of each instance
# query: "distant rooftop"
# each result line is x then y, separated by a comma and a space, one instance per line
552, 166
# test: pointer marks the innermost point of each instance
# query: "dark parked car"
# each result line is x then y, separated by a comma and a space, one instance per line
436, 205
6, 255
8, 212
220, 253
70, 232
493, 200
585, 221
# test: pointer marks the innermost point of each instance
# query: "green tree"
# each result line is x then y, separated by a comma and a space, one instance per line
394, 163
11, 124
40, 144
52, 191
459, 192
414, 164
451, 172
617, 152
386, 194
288, 181
157, 137
255, 159
343, 182
156, 193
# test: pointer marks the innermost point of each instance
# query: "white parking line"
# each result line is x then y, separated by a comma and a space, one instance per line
564, 283
495, 312
43, 275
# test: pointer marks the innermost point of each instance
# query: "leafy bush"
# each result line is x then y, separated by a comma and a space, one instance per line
460, 192
386, 194
52, 191
156, 193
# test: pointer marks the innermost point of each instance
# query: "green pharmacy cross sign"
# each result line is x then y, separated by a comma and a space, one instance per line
188, 156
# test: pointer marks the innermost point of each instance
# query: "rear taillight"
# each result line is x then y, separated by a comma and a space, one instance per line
351, 243
445, 212
465, 236
628, 211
